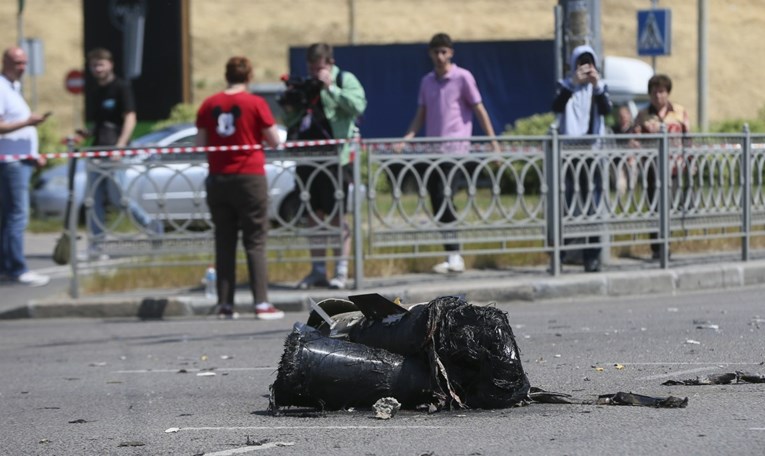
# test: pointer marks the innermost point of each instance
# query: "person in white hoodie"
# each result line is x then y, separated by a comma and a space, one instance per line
580, 104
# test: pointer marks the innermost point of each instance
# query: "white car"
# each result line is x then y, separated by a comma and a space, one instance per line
167, 186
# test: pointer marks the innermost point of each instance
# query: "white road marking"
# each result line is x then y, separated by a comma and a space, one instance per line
680, 373
707, 367
757, 429
175, 371
271, 428
249, 449
683, 363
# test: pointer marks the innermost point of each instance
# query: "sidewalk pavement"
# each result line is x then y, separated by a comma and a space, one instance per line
621, 277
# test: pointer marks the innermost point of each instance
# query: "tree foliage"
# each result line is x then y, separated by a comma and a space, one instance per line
538, 124
181, 113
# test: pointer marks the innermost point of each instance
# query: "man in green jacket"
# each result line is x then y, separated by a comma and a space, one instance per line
329, 114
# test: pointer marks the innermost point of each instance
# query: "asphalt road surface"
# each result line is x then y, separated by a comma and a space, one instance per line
128, 387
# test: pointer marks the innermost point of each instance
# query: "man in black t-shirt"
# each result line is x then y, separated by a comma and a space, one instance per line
115, 120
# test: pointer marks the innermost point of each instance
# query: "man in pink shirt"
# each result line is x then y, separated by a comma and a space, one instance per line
446, 103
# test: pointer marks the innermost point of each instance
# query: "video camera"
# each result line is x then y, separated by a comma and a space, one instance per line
300, 91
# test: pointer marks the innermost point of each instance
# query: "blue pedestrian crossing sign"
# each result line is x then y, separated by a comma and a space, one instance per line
654, 32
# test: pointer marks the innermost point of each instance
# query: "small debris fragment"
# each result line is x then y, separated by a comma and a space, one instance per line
622, 398
549, 397
172, 430
131, 443
692, 342
255, 442
706, 325
672, 309
226, 357
385, 408
101, 364
750, 378
183, 371
203, 358
720, 379
78, 421
206, 374
44, 441
619, 366
599, 369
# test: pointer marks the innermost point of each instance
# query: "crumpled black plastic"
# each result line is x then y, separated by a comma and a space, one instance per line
720, 379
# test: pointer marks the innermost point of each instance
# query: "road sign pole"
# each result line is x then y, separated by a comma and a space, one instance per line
654, 4
702, 67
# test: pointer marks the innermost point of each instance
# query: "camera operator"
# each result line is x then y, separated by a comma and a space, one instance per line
327, 113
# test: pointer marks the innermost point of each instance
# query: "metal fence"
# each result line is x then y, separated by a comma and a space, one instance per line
548, 194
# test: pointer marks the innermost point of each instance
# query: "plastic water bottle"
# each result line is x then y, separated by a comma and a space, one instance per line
211, 290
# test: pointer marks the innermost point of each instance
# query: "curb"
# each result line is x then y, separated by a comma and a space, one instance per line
477, 289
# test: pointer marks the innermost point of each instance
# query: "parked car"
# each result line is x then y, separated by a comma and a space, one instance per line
167, 186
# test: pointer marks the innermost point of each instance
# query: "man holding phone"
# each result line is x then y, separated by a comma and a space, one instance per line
18, 138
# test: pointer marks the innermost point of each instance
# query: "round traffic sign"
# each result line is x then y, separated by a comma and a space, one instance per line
75, 82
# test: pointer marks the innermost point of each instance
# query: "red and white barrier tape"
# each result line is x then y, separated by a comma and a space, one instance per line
171, 150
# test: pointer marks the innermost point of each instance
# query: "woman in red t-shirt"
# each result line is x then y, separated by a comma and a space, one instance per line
237, 189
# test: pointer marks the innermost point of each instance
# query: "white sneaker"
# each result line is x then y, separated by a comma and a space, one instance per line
32, 279
338, 282
86, 257
455, 263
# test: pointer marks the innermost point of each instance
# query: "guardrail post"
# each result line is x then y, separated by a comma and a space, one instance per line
664, 205
746, 193
552, 172
71, 222
358, 251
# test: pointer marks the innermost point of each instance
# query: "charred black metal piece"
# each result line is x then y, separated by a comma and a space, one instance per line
317, 371
622, 398
447, 353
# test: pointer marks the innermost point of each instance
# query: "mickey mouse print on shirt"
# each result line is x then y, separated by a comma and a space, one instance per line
226, 121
